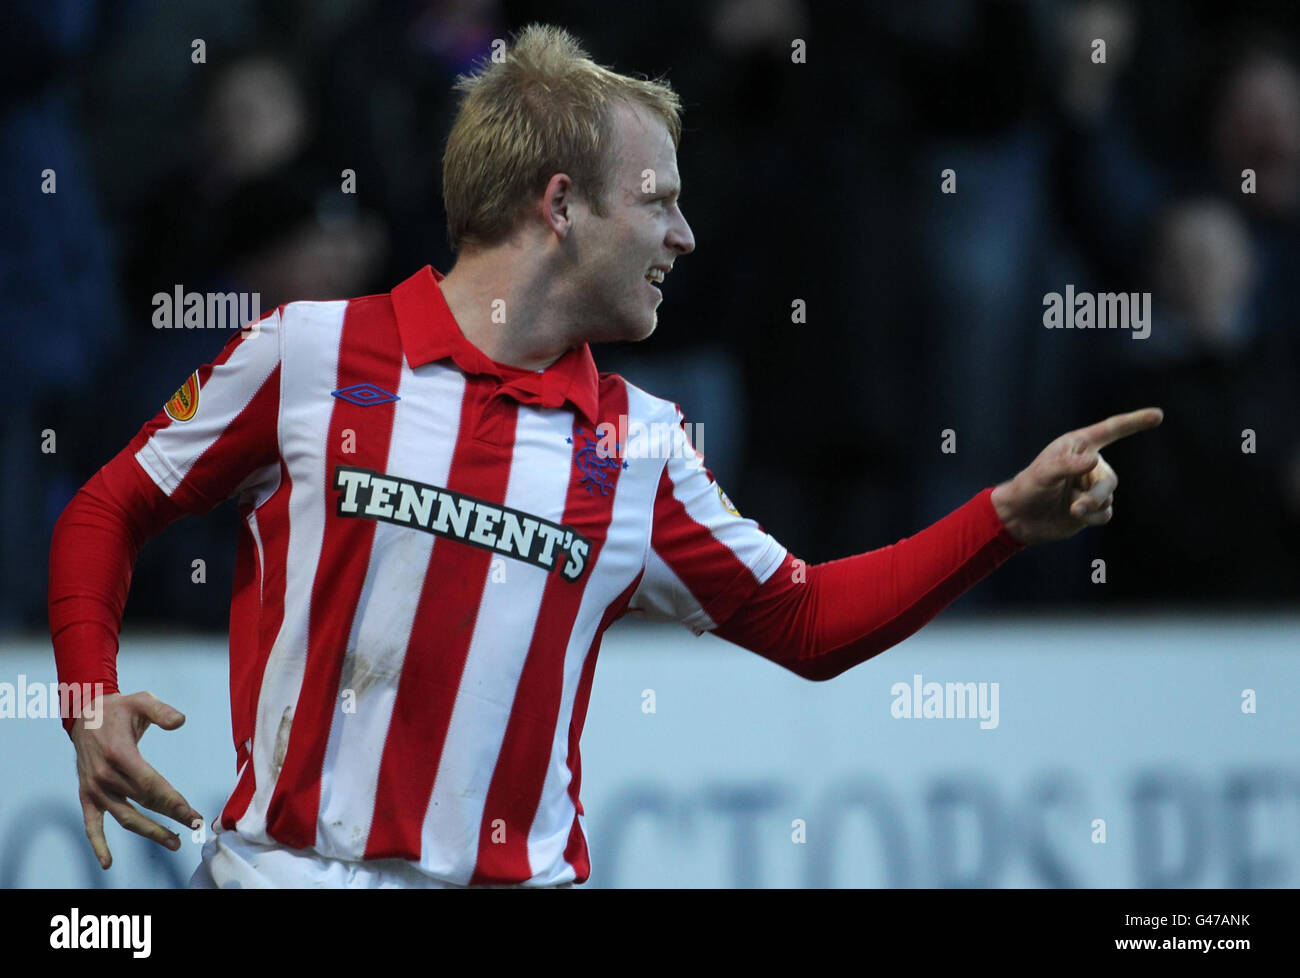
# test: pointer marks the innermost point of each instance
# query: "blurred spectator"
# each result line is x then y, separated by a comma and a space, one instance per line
1222, 362
293, 234
1256, 125
252, 118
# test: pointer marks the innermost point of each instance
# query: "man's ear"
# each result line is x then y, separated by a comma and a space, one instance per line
557, 204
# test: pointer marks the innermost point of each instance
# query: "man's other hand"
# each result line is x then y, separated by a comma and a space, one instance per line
112, 773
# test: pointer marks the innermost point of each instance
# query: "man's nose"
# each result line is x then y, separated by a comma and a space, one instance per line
680, 236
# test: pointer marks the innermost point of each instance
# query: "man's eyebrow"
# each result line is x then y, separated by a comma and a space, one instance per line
665, 189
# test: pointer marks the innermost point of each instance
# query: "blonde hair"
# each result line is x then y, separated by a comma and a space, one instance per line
543, 109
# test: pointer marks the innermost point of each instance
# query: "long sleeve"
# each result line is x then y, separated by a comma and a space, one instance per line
215, 437
92, 556
822, 619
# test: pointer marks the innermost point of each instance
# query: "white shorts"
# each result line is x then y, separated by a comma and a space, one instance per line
233, 863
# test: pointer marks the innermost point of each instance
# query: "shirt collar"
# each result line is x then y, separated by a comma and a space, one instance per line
429, 332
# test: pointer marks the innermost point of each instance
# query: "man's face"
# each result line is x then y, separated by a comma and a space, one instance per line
642, 233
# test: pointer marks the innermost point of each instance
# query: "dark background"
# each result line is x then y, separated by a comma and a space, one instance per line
817, 181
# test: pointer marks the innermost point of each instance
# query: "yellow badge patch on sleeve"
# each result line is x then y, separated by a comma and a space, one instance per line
727, 503
185, 402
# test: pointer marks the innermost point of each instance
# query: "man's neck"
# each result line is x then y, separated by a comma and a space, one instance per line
502, 307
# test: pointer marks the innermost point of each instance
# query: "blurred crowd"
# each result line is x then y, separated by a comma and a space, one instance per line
817, 181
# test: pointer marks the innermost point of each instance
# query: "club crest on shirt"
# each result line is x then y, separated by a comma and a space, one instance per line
185, 402
595, 468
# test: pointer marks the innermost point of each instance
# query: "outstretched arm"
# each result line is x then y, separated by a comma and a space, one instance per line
822, 619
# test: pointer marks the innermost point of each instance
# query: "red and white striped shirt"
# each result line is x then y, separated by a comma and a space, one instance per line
432, 545
426, 566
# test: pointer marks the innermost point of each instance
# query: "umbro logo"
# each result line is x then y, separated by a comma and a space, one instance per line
365, 395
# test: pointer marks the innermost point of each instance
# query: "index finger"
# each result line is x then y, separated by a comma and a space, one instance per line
1119, 426
155, 793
